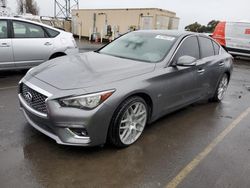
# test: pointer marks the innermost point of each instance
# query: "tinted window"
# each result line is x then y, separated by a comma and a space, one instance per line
142, 46
216, 48
27, 30
189, 47
206, 46
3, 29
52, 33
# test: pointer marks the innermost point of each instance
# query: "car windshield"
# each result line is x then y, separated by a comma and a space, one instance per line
141, 46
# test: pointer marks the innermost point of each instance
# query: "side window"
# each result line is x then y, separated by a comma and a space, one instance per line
52, 33
206, 46
3, 29
216, 48
27, 30
189, 47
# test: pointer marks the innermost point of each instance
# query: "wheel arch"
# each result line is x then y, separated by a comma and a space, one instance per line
111, 130
57, 54
145, 96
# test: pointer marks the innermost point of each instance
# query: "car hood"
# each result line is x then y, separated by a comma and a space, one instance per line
88, 69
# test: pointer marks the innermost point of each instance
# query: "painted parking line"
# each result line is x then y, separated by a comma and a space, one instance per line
197, 160
10, 87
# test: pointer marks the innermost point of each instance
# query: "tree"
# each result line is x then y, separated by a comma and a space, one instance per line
211, 25
196, 27
27, 6
193, 27
202, 29
3, 3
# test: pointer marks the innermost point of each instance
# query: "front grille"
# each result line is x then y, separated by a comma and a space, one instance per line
33, 98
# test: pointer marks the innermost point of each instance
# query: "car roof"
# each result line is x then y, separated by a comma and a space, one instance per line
174, 33
29, 21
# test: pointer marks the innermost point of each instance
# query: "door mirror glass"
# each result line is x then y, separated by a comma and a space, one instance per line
186, 61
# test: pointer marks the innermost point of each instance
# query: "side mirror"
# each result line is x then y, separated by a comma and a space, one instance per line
186, 61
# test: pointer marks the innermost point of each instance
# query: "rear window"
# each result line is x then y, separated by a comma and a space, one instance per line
238, 30
206, 47
216, 48
52, 33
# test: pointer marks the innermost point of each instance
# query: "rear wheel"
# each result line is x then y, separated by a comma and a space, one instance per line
128, 122
221, 89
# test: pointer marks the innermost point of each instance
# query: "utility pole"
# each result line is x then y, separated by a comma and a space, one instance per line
24, 7
3, 3
62, 8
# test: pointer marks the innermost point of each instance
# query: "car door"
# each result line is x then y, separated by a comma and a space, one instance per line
209, 67
179, 83
6, 60
31, 44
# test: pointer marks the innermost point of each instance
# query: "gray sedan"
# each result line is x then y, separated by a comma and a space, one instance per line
111, 94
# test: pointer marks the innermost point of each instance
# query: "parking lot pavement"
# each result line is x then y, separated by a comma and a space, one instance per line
168, 146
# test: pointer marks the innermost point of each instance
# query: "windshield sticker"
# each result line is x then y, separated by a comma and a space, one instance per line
163, 37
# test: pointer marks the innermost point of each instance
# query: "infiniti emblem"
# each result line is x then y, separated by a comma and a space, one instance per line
28, 96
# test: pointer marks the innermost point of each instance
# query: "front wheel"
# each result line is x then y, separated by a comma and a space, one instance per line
128, 122
221, 89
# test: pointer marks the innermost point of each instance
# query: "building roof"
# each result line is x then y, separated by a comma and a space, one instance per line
115, 9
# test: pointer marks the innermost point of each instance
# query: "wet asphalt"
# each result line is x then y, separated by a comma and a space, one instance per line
30, 159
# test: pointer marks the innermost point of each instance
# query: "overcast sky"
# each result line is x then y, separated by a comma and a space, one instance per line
188, 11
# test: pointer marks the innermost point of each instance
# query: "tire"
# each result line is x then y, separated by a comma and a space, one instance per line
221, 89
127, 125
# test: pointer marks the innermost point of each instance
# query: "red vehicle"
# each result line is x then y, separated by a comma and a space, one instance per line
234, 37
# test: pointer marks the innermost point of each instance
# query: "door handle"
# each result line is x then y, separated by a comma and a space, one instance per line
47, 44
221, 64
201, 71
5, 45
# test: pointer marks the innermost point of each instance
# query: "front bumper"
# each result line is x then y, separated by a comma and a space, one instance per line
72, 138
59, 123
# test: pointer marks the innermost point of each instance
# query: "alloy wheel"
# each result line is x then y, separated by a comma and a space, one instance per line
132, 123
222, 87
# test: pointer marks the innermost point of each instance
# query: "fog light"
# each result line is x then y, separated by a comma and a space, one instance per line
79, 131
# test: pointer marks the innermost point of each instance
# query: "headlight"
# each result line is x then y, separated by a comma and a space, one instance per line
89, 101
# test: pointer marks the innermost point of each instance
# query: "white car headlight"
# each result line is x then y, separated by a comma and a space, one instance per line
89, 101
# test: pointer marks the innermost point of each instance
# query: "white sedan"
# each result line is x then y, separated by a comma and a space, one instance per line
24, 44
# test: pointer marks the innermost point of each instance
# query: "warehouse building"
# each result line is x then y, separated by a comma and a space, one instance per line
114, 22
